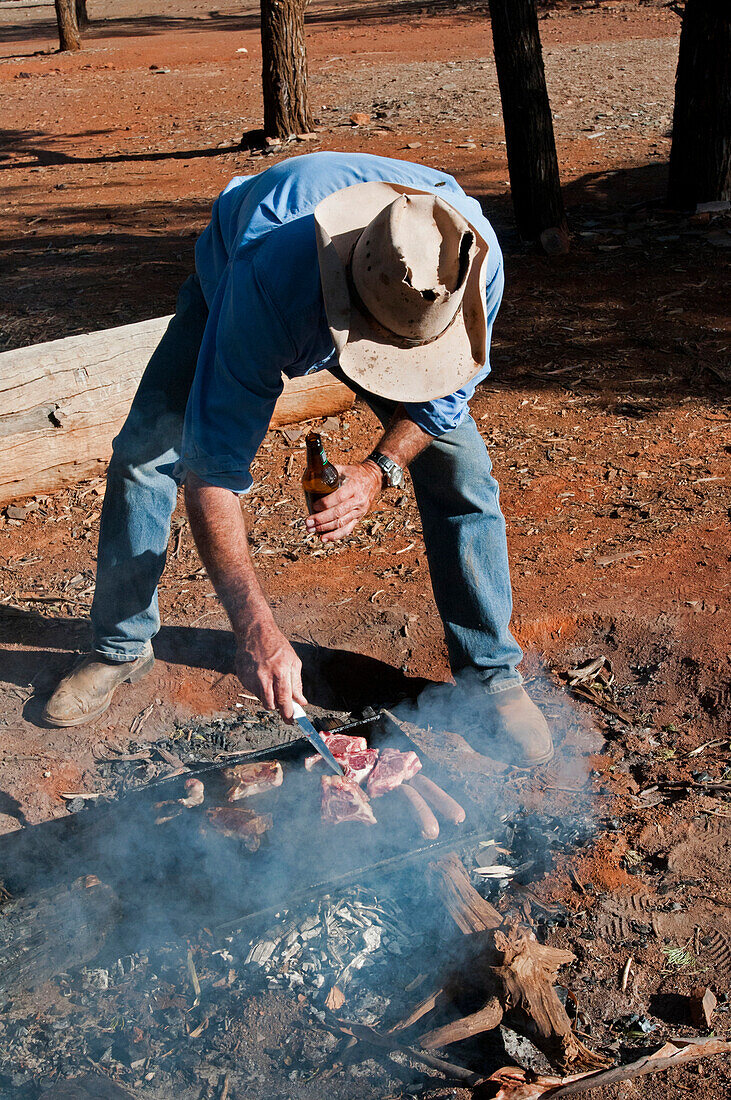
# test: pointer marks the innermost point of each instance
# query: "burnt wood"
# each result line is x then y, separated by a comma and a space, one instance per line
42, 935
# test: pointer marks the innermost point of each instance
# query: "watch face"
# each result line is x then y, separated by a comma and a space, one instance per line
396, 478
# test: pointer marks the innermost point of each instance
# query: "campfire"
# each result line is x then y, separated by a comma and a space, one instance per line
162, 926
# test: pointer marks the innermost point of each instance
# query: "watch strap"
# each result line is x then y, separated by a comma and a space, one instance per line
388, 468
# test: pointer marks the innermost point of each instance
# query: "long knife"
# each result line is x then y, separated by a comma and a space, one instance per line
316, 739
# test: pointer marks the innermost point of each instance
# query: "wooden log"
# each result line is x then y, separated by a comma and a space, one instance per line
62, 403
307, 398
518, 970
487, 1018
469, 911
424, 1007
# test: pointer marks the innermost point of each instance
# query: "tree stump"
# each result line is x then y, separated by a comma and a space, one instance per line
514, 971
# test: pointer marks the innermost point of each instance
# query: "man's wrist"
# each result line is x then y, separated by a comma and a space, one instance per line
375, 471
248, 617
392, 474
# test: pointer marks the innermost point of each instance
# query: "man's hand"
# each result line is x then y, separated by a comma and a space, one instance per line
336, 515
267, 665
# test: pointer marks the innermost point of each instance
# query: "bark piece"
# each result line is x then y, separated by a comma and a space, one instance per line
702, 1006
335, 999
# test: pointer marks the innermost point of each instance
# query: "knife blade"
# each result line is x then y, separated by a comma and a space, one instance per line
316, 739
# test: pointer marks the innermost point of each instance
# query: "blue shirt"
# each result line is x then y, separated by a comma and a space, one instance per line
258, 268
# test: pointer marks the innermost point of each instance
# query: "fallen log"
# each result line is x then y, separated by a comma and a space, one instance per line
64, 401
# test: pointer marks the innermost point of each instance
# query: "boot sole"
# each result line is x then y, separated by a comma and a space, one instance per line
91, 715
538, 761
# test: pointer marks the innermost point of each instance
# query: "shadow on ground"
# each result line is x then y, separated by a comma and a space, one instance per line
333, 679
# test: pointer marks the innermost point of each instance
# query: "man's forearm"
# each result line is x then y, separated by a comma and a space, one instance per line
402, 439
219, 531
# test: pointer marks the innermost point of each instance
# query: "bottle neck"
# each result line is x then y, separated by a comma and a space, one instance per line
316, 457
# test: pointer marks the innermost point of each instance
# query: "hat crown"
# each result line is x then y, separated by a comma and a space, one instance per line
410, 265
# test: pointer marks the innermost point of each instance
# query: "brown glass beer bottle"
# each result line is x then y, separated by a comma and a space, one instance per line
320, 477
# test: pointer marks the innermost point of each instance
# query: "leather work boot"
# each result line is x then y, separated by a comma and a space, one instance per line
88, 689
517, 729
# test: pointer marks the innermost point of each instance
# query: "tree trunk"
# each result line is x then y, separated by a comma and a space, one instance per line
68, 31
534, 178
284, 68
700, 158
82, 15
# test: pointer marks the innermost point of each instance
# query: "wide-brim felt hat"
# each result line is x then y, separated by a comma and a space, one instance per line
403, 278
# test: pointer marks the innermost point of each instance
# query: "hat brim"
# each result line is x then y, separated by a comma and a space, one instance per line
387, 369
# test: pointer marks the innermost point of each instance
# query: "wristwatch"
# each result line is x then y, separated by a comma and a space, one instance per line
393, 475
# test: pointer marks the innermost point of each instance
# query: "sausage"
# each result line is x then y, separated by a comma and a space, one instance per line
421, 813
439, 800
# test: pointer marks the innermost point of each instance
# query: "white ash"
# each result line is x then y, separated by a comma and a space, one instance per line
339, 941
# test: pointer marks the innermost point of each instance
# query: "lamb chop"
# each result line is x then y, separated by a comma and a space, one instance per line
343, 800
255, 778
340, 745
240, 824
358, 765
393, 769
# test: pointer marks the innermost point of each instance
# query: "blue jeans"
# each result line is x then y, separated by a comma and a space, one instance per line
458, 499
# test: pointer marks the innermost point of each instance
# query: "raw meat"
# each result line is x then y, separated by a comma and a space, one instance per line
343, 800
166, 811
392, 769
439, 800
240, 823
340, 745
195, 795
255, 778
358, 765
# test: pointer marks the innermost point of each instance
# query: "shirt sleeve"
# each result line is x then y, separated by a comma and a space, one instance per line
237, 380
445, 413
